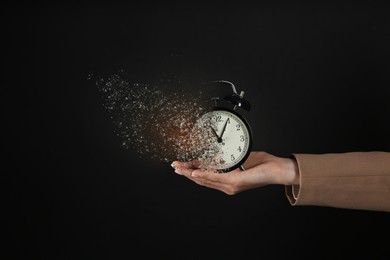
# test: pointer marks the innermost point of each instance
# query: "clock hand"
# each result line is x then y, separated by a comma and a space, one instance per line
215, 133
223, 130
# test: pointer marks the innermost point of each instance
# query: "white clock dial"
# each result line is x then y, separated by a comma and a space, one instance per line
232, 137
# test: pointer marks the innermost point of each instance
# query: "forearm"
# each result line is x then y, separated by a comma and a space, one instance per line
358, 180
288, 172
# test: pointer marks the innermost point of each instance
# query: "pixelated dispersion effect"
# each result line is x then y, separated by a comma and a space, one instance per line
158, 123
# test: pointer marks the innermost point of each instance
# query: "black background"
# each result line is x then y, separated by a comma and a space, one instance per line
317, 76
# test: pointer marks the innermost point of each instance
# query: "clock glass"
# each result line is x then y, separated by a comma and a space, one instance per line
230, 136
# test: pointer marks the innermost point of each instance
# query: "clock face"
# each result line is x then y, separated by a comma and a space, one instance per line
230, 135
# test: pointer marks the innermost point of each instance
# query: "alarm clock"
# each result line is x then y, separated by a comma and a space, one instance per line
230, 132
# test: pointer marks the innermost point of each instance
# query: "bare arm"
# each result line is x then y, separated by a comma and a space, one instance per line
261, 169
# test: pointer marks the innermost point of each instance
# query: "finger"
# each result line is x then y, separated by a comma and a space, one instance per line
190, 165
215, 176
225, 182
182, 168
208, 179
211, 180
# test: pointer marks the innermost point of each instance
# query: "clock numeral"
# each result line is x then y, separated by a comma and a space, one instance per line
232, 157
239, 149
218, 119
238, 127
241, 138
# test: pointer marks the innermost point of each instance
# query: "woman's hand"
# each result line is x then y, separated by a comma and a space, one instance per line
261, 169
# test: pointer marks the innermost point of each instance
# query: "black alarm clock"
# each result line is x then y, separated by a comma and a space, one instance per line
231, 132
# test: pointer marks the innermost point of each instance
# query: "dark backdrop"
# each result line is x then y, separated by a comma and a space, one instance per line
317, 76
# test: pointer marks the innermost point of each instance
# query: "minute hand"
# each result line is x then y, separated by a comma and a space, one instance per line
223, 130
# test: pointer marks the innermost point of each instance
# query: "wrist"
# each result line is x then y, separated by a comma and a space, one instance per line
289, 172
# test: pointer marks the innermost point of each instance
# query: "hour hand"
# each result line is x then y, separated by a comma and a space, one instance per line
215, 133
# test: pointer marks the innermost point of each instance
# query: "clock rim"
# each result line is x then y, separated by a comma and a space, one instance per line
225, 170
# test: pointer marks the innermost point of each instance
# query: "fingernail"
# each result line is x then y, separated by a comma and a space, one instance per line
194, 175
173, 165
178, 172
